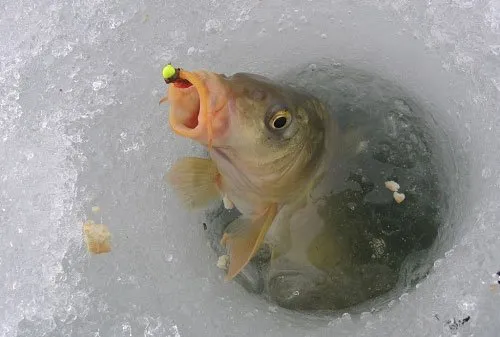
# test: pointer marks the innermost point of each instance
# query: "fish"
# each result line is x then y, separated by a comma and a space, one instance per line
269, 147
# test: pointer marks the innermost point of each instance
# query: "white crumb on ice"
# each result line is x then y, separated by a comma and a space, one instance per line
228, 204
399, 197
97, 237
222, 262
392, 186
95, 209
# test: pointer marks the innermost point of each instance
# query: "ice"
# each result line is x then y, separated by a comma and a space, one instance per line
80, 126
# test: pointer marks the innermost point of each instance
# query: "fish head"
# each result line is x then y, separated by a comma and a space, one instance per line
271, 133
270, 120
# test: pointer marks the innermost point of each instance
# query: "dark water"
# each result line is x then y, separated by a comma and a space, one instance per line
380, 244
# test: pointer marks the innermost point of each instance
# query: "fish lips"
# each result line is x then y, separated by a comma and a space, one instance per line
200, 111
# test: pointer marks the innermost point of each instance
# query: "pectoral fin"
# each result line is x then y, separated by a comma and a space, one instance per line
244, 237
195, 180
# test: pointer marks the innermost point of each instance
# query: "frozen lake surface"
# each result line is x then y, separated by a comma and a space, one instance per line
80, 126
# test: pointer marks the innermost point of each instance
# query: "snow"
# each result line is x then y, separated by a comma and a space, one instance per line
80, 127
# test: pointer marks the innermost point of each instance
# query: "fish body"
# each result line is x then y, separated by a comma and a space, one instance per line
269, 146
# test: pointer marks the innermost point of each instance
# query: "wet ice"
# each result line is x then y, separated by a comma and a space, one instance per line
62, 154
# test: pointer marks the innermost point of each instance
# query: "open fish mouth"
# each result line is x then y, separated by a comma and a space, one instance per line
186, 119
188, 98
197, 103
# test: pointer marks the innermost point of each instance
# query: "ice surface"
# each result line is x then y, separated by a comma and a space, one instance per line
80, 126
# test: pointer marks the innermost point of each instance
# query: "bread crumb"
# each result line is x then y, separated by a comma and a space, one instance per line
97, 237
392, 186
222, 262
95, 209
228, 204
399, 197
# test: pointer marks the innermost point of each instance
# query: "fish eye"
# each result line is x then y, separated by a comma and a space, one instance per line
281, 119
